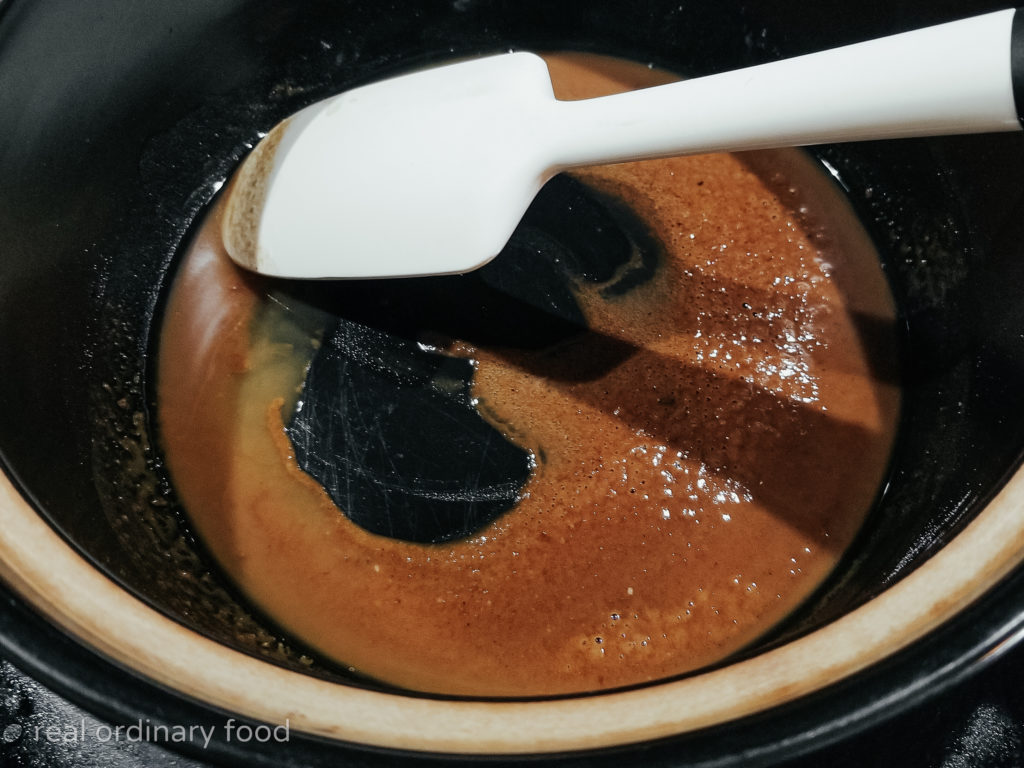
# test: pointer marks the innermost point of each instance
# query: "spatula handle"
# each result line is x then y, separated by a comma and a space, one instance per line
1017, 61
961, 77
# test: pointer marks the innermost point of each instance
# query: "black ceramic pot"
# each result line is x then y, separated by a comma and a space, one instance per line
118, 123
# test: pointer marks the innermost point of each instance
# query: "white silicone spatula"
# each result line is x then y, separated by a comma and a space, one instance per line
429, 173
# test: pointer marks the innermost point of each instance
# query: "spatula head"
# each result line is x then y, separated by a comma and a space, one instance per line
427, 173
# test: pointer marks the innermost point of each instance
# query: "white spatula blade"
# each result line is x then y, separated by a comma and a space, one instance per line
426, 172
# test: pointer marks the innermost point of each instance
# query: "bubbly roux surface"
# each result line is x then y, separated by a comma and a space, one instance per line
687, 495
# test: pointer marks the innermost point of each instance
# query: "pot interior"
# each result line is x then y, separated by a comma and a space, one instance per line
104, 186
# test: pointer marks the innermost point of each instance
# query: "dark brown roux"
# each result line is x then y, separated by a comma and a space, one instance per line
688, 499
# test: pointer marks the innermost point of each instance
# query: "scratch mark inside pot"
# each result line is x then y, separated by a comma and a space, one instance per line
622, 451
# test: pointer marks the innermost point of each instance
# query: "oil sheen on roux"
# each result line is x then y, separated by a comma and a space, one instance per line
687, 500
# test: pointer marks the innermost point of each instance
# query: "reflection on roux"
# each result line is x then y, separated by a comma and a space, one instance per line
688, 498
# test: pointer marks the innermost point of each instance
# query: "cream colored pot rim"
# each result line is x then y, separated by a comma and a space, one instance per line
62, 585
